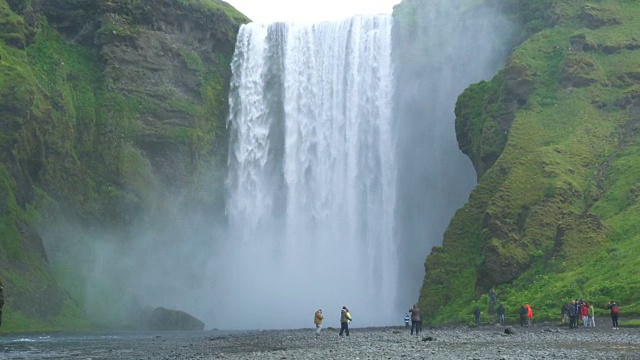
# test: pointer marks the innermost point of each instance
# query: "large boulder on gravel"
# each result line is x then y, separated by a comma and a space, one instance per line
163, 319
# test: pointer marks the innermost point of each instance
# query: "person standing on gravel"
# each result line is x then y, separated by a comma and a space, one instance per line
584, 309
345, 318
1, 300
615, 312
523, 315
416, 321
317, 320
592, 316
501, 314
564, 314
529, 314
573, 315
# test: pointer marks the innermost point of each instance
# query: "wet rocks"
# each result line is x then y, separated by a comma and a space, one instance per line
373, 343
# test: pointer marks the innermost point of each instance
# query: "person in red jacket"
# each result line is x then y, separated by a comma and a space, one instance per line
584, 311
529, 314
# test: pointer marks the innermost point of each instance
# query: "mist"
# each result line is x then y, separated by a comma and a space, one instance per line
343, 173
119, 275
449, 47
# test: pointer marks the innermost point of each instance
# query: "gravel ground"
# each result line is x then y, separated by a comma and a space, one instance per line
491, 342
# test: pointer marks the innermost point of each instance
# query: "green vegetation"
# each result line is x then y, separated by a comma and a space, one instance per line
76, 109
217, 6
630, 323
554, 215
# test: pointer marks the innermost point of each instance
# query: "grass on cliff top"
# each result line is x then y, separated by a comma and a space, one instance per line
218, 5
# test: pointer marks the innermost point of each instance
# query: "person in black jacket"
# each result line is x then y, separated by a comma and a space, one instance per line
1, 300
573, 315
615, 311
523, 315
564, 313
476, 313
501, 314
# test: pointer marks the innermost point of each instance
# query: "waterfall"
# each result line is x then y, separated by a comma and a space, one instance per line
312, 175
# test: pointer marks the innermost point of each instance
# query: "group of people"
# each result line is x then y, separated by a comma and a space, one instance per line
345, 319
499, 311
580, 311
526, 315
416, 320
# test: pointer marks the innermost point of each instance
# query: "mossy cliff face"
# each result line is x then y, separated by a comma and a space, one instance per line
554, 138
103, 103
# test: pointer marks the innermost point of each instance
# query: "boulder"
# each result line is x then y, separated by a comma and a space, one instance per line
163, 319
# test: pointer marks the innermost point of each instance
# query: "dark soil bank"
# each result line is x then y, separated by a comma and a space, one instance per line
379, 343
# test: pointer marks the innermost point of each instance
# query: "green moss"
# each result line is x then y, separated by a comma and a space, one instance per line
630, 323
480, 135
10, 212
67, 73
193, 61
72, 138
218, 6
70, 319
14, 31
553, 217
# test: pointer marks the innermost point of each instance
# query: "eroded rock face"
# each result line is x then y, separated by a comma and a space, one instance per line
163, 319
580, 70
167, 58
485, 113
104, 103
596, 17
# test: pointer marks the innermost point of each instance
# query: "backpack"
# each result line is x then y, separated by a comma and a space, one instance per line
615, 309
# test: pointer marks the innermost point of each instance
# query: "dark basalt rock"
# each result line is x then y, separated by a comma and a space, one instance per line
163, 319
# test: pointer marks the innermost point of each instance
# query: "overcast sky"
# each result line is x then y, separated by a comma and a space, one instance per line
309, 10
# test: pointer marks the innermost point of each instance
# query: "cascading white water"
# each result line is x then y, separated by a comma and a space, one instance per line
311, 188
328, 204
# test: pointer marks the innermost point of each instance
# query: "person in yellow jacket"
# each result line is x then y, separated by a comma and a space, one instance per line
345, 318
317, 319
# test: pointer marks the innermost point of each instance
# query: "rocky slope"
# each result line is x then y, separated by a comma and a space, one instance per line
554, 140
104, 102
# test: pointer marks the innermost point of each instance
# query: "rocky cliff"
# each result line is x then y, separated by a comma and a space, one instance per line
554, 140
103, 103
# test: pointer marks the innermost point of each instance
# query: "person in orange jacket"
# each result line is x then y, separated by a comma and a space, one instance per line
529, 314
